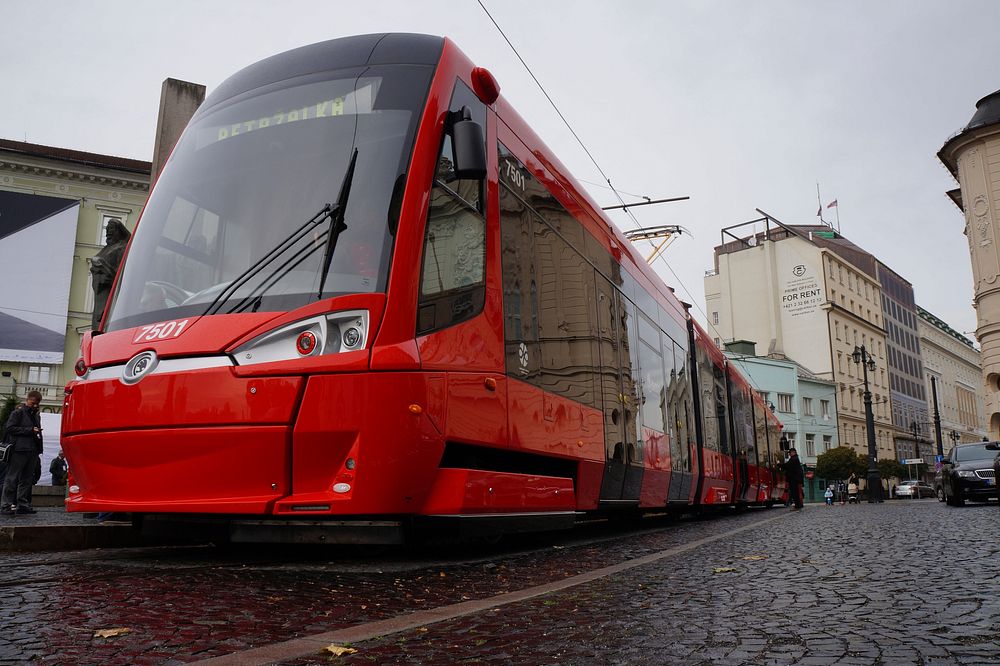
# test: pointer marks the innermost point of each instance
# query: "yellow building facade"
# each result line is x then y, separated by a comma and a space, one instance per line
973, 157
95, 188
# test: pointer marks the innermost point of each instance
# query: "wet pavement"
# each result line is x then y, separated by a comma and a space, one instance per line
902, 582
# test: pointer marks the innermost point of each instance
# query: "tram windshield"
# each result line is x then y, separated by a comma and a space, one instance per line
232, 225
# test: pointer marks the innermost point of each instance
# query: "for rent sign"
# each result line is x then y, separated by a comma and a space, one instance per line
801, 291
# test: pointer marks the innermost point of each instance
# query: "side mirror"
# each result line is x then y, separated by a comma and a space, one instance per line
993, 446
468, 146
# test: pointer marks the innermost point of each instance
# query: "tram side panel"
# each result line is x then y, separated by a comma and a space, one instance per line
718, 474
580, 327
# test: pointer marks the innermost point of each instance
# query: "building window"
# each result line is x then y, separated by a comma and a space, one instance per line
790, 436
718, 343
827, 443
763, 395
824, 408
715, 317
811, 445
108, 214
807, 406
785, 402
38, 374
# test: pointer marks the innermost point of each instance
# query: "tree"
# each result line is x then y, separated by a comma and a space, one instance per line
890, 468
839, 463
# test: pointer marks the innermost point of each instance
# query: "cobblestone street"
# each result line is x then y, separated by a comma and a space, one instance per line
908, 582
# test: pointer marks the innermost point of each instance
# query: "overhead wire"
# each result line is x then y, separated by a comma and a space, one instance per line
607, 179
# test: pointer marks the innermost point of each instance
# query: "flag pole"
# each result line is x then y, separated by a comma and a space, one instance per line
819, 204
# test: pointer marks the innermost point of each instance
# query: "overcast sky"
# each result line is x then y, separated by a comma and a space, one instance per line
739, 105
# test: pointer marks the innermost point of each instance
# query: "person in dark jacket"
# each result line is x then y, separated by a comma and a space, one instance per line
795, 478
59, 470
25, 428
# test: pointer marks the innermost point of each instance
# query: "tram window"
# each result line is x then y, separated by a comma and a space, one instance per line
683, 410
453, 275
599, 256
720, 410
469, 190
452, 283
673, 326
710, 419
645, 302
564, 315
652, 387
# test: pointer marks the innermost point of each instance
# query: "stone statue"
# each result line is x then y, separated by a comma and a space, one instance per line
104, 266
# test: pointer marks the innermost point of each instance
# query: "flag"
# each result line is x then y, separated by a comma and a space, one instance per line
832, 204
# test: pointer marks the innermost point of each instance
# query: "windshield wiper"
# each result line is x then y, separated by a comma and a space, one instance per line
335, 212
337, 225
325, 212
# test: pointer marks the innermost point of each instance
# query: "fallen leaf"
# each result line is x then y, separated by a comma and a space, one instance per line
724, 569
422, 629
337, 650
111, 633
442, 574
754, 558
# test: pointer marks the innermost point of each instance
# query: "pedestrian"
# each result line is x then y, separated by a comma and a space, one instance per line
25, 427
795, 478
59, 469
852, 491
829, 496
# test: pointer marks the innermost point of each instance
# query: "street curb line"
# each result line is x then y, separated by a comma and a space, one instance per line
312, 645
25, 538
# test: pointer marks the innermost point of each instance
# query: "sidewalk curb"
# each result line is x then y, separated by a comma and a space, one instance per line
66, 537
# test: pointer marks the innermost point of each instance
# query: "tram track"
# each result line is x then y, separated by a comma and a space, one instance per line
351, 560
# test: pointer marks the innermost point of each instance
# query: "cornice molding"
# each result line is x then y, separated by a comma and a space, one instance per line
67, 171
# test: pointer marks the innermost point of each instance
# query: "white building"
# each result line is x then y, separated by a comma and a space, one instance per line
954, 362
808, 303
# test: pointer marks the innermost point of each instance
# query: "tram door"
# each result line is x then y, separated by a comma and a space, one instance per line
623, 457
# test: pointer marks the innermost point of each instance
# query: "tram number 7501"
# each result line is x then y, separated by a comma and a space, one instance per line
161, 331
514, 175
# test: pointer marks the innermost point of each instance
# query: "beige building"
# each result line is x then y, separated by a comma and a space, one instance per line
795, 299
954, 363
973, 157
78, 193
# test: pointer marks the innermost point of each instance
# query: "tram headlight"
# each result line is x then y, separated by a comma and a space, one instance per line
324, 334
352, 336
306, 343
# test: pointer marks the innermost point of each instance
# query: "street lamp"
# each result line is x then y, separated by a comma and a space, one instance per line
915, 431
862, 357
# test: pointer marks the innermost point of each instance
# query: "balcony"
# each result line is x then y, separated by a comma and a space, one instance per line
52, 394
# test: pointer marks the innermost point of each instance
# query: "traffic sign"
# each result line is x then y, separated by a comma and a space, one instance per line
913, 461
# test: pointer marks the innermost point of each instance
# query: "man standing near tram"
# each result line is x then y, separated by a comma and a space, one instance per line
24, 427
795, 477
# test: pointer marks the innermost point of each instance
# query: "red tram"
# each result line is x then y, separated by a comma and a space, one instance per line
363, 295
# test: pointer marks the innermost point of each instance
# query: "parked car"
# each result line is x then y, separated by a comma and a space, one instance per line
968, 473
914, 490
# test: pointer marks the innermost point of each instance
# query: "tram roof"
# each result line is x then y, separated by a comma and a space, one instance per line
384, 48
